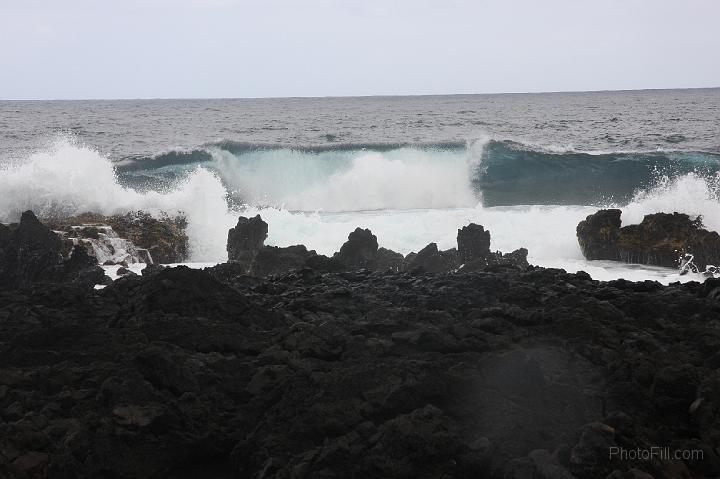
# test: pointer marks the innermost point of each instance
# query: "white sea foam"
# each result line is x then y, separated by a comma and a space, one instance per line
412, 200
406, 178
72, 179
691, 194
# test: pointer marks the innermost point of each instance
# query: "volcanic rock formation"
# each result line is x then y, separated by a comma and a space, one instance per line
31, 253
496, 373
361, 251
661, 239
132, 237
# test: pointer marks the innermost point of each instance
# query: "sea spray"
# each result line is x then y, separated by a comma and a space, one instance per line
691, 194
70, 179
407, 197
331, 181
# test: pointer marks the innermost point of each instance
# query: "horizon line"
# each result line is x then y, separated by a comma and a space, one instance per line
291, 97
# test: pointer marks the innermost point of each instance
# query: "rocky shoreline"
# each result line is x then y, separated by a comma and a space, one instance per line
135, 237
458, 363
661, 239
246, 250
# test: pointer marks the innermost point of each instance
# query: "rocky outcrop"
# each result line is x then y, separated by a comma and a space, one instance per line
359, 251
30, 253
472, 254
598, 235
104, 244
165, 238
246, 249
500, 373
430, 260
661, 239
245, 240
132, 237
271, 260
473, 243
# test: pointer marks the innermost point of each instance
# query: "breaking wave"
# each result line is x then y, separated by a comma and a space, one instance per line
70, 179
381, 176
409, 195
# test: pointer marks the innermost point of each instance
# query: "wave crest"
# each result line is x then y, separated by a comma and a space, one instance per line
69, 179
433, 186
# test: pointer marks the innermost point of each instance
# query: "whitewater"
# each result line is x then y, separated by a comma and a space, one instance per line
408, 196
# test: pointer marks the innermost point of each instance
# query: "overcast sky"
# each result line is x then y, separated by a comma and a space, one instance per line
256, 48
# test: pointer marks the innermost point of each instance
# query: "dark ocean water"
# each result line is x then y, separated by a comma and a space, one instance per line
555, 148
600, 121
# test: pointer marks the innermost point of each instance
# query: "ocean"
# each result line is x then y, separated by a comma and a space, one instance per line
528, 167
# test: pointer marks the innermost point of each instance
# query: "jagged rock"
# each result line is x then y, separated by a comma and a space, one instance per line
359, 250
516, 258
31, 253
246, 239
473, 254
598, 235
661, 239
212, 373
165, 238
473, 243
132, 237
430, 260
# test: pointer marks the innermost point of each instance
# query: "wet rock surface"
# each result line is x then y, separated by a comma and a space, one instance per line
31, 253
245, 240
132, 237
661, 239
500, 372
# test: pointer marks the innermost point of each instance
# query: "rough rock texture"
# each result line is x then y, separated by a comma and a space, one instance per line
246, 239
430, 260
274, 260
598, 235
502, 374
165, 239
473, 243
359, 251
246, 249
661, 239
31, 253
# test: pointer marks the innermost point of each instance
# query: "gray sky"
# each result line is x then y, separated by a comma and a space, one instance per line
255, 48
